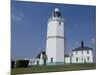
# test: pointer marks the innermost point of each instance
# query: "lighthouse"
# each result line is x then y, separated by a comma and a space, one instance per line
55, 38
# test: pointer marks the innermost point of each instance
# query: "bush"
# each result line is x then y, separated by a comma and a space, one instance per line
22, 63
12, 63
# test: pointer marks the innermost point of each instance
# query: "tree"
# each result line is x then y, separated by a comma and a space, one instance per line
22, 63
12, 63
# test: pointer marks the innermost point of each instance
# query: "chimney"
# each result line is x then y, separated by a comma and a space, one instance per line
82, 44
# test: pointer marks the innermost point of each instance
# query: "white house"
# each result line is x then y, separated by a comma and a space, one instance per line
31, 61
82, 54
68, 59
40, 58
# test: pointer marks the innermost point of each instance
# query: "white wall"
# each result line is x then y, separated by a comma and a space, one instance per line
60, 28
67, 60
41, 60
55, 46
60, 50
51, 49
52, 28
83, 56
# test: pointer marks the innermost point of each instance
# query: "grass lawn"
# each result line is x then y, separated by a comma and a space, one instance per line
53, 68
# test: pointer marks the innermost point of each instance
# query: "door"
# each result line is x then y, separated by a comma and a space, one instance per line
51, 59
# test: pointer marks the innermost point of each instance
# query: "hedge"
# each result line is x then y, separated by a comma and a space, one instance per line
22, 63
12, 63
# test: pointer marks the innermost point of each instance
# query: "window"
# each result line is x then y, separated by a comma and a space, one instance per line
87, 51
88, 58
76, 59
59, 22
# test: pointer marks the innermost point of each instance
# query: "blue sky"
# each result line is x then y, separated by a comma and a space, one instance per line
29, 27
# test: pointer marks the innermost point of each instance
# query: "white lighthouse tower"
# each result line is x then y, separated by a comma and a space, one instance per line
55, 38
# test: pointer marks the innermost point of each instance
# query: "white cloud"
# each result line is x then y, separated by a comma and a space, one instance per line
16, 17
93, 41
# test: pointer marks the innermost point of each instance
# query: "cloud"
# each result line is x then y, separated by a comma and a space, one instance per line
16, 14
16, 17
90, 42
93, 41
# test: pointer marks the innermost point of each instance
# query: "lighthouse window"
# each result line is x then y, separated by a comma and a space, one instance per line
60, 22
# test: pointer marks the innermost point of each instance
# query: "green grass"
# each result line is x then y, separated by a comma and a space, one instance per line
53, 68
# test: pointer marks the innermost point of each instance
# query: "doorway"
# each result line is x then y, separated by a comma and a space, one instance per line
51, 59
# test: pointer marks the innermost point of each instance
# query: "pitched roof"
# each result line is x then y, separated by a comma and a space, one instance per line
43, 53
82, 47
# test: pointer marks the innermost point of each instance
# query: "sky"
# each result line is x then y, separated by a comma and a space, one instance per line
29, 27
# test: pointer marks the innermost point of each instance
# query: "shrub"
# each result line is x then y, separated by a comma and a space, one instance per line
12, 63
22, 63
